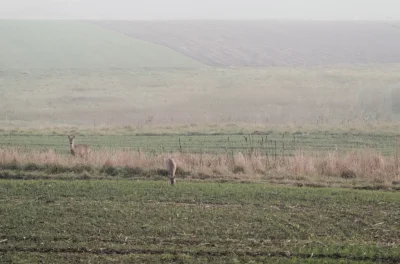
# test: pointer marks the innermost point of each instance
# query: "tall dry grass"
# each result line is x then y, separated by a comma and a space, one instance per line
364, 164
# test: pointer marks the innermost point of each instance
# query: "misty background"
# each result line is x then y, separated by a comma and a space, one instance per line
205, 9
97, 63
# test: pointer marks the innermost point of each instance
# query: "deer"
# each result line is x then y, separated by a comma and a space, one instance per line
171, 167
78, 149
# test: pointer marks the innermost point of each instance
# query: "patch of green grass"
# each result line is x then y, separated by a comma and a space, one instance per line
195, 223
274, 143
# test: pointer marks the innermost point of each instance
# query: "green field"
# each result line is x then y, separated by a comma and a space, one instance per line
32, 44
152, 222
273, 142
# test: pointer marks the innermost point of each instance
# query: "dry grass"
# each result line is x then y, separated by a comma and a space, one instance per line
363, 165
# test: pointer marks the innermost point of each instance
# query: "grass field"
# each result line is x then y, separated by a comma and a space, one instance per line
271, 142
150, 222
138, 97
32, 44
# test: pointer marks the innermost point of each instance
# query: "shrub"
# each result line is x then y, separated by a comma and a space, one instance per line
13, 165
203, 176
348, 174
238, 169
109, 170
79, 168
56, 169
31, 167
162, 172
129, 171
84, 176
181, 172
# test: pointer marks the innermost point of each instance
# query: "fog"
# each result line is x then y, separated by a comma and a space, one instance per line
201, 9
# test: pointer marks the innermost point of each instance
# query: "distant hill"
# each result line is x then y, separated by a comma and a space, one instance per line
271, 43
72, 44
188, 44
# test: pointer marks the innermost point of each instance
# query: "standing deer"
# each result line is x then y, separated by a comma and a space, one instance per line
171, 167
79, 149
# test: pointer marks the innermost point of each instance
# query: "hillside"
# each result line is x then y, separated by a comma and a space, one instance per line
79, 73
271, 43
72, 44
194, 96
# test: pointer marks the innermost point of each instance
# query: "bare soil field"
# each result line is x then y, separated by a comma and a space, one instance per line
271, 43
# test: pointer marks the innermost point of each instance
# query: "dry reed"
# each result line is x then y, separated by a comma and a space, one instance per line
363, 164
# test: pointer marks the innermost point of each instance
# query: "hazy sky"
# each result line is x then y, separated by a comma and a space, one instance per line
202, 9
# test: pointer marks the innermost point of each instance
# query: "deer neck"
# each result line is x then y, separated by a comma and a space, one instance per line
72, 146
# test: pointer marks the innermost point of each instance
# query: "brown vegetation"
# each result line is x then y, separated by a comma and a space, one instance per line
364, 166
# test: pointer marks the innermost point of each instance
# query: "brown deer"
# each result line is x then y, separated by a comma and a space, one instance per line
171, 167
79, 149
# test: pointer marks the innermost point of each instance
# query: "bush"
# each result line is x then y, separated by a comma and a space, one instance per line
182, 173
203, 176
162, 172
57, 169
348, 174
7, 175
82, 168
109, 170
238, 169
31, 167
14, 165
129, 172
84, 176
217, 172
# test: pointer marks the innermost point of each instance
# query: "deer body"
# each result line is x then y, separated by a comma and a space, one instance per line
171, 167
78, 149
